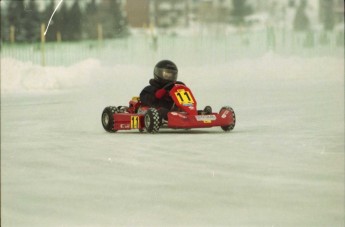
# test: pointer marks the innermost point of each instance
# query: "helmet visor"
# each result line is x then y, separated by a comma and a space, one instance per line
167, 74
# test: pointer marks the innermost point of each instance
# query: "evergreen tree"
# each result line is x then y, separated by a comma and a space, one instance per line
74, 22
328, 17
61, 20
31, 22
119, 23
48, 11
15, 17
67, 22
4, 25
91, 20
301, 21
239, 11
111, 18
105, 18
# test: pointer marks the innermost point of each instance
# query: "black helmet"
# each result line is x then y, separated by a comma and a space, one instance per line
165, 72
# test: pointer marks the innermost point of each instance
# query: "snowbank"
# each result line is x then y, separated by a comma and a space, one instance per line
17, 76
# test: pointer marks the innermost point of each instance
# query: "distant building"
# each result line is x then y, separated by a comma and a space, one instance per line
138, 13
179, 13
170, 13
339, 11
161, 13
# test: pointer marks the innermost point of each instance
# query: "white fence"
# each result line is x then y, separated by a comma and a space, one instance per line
192, 49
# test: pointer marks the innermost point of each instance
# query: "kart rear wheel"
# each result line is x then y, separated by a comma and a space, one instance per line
230, 127
152, 120
108, 118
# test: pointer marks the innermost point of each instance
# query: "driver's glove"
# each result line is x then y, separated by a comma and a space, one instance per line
160, 93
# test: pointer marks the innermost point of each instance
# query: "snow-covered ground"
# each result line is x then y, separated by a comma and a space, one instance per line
282, 165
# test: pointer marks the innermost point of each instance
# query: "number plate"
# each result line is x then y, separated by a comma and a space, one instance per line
134, 121
184, 97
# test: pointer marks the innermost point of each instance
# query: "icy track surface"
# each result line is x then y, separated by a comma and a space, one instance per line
283, 165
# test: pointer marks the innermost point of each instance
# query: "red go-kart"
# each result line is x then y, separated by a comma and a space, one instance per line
184, 115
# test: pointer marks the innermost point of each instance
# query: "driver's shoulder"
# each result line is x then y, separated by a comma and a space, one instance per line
150, 88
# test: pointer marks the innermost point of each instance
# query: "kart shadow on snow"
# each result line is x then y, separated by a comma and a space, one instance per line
177, 131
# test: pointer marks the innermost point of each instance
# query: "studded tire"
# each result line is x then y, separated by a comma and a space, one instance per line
230, 127
108, 118
152, 121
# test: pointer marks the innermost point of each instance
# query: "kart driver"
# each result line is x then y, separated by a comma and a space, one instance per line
157, 93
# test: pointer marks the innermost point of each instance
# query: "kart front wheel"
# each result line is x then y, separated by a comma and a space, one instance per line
152, 120
108, 118
230, 127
